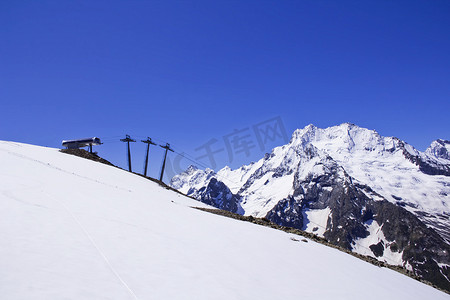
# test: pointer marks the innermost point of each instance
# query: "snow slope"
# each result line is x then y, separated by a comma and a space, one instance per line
76, 229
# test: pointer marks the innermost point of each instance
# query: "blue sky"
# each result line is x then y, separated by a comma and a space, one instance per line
192, 72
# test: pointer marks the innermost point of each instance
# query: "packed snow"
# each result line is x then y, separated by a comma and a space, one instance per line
77, 229
316, 220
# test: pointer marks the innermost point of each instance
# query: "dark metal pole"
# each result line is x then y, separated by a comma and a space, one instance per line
167, 147
163, 166
129, 156
148, 142
146, 160
128, 140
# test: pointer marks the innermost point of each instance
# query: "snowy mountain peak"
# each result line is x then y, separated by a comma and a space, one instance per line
348, 139
191, 169
344, 137
303, 134
191, 178
440, 149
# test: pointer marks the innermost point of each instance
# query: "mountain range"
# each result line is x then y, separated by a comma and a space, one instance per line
374, 195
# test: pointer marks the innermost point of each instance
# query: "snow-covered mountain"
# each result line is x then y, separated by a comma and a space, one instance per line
72, 228
375, 195
439, 149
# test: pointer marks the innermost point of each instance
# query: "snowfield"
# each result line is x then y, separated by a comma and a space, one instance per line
77, 229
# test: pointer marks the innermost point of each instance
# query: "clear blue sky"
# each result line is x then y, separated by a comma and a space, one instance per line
190, 72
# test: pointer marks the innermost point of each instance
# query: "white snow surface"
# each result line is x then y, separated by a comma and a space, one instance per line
316, 220
77, 229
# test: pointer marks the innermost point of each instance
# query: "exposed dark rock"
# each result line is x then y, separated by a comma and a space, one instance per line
377, 249
287, 212
217, 194
422, 247
367, 216
394, 247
